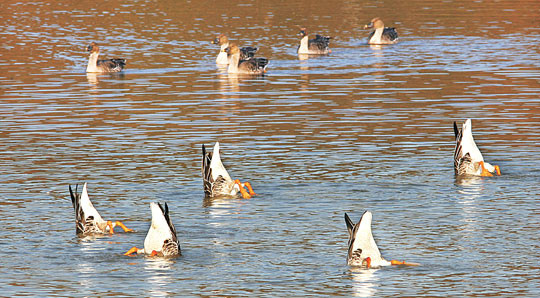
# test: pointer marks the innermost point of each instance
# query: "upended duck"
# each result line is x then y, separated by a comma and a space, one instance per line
250, 66
216, 179
95, 65
381, 34
222, 40
87, 218
467, 157
363, 250
316, 46
161, 239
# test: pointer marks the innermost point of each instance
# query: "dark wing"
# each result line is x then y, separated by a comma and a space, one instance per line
169, 222
458, 154
319, 43
247, 53
170, 246
207, 171
80, 220
349, 223
352, 228
112, 65
463, 164
254, 65
389, 34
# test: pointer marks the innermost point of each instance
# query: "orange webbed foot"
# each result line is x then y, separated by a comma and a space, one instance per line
485, 172
111, 227
243, 191
394, 262
126, 229
133, 250
251, 192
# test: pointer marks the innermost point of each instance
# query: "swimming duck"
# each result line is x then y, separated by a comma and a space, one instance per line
222, 40
251, 66
381, 35
467, 158
87, 218
95, 65
316, 46
363, 250
216, 179
161, 239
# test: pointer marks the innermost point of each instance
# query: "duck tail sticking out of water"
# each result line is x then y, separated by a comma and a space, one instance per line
87, 218
468, 159
216, 179
363, 250
161, 239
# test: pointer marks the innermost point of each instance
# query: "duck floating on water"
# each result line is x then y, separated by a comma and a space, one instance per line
95, 65
250, 66
222, 40
161, 239
467, 157
381, 34
216, 179
316, 46
363, 250
87, 218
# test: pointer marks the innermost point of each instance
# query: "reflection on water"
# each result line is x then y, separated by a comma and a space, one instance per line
365, 282
159, 275
367, 127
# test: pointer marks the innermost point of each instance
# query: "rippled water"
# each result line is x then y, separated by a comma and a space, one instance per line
362, 128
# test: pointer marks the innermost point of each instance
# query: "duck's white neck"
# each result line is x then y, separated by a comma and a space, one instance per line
376, 38
233, 63
222, 56
92, 62
304, 45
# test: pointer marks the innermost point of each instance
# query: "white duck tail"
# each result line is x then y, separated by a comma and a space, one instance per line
363, 250
161, 239
468, 159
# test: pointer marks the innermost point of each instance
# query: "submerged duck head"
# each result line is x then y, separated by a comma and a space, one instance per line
221, 39
375, 23
92, 48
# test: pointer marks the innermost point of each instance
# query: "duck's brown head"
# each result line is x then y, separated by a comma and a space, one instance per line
303, 32
232, 49
221, 39
376, 23
92, 48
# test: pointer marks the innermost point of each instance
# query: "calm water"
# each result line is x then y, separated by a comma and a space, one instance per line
363, 128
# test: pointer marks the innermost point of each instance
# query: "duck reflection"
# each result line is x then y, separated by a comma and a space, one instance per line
365, 282
228, 83
94, 78
303, 56
159, 275
378, 48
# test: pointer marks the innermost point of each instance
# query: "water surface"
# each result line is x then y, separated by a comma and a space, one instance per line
363, 128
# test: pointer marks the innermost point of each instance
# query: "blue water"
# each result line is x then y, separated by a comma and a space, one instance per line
364, 128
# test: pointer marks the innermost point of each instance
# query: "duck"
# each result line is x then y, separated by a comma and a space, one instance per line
363, 251
250, 66
87, 218
381, 34
216, 179
316, 46
161, 239
468, 159
109, 65
222, 40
